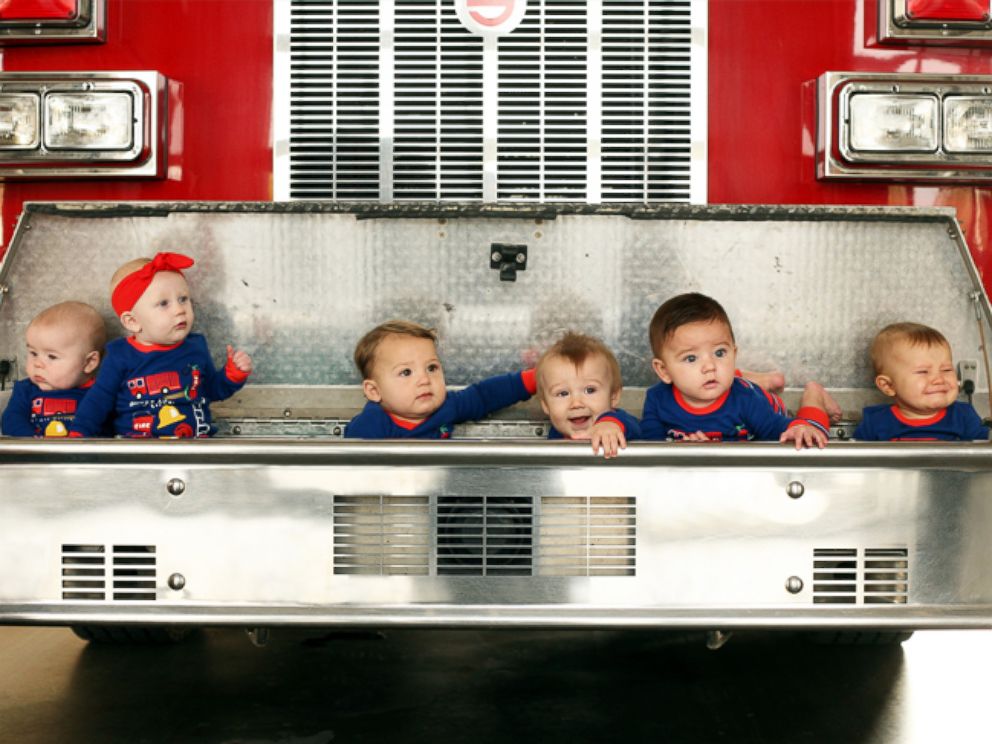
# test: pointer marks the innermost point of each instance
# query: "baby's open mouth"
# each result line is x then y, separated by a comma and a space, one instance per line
579, 421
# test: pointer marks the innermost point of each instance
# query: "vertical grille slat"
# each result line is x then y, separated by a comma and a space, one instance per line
877, 576
390, 107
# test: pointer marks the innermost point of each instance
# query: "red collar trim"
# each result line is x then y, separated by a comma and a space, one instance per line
403, 423
150, 347
88, 384
714, 406
917, 422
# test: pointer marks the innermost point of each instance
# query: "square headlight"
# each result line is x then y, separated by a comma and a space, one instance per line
89, 121
893, 122
19, 121
968, 124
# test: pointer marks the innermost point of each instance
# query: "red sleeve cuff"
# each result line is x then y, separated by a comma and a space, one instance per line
75, 435
234, 374
737, 373
612, 420
529, 378
813, 414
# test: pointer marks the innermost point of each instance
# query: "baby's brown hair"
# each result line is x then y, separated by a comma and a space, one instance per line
368, 344
691, 307
915, 334
576, 348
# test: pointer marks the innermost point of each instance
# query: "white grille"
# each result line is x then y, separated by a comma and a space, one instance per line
381, 535
84, 572
387, 99
587, 536
877, 576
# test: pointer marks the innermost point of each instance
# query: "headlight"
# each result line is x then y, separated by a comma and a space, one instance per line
19, 128
89, 121
968, 124
893, 123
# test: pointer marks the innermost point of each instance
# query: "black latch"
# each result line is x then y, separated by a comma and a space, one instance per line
509, 259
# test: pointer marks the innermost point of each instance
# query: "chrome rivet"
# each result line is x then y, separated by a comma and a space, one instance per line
177, 581
496, 256
521, 258
793, 585
287, 412
336, 431
176, 486
539, 431
236, 429
795, 489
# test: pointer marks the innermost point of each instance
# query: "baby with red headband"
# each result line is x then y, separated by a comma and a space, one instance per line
158, 381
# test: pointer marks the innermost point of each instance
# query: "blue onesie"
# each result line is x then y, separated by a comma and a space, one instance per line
33, 412
885, 423
471, 404
157, 391
629, 424
742, 413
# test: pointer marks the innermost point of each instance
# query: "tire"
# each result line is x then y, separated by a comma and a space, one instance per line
132, 635
862, 637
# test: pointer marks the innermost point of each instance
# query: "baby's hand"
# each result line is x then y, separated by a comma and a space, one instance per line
695, 437
804, 435
607, 435
239, 359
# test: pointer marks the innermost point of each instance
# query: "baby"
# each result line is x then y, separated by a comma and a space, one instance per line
403, 380
913, 366
64, 345
699, 397
579, 384
158, 381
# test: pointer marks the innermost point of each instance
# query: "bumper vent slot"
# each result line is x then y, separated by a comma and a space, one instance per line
84, 572
134, 572
381, 535
485, 536
877, 576
587, 536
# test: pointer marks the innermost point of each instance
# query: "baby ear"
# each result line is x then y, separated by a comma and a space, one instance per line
884, 383
130, 323
615, 397
661, 370
91, 362
371, 391
544, 407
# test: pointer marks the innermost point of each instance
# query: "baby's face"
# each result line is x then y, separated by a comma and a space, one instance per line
920, 378
698, 360
163, 315
573, 397
59, 357
407, 377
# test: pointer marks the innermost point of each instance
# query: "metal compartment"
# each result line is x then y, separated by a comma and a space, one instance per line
298, 528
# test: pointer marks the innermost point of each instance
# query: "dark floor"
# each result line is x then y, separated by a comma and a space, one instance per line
492, 686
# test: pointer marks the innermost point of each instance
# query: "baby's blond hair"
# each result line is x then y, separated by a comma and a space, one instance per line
368, 345
576, 348
915, 334
80, 317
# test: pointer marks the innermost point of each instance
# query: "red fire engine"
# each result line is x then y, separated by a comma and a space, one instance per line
52, 406
162, 382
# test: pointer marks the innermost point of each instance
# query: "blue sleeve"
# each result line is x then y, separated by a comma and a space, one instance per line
16, 420
482, 398
369, 424
631, 426
972, 424
760, 418
218, 385
100, 400
651, 426
864, 431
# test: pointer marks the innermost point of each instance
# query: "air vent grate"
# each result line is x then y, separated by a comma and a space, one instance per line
381, 535
134, 572
485, 536
886, 576
83, 572
587, 536
879, 576
388, 99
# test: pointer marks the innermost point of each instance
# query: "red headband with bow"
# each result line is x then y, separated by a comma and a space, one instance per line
131, 287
